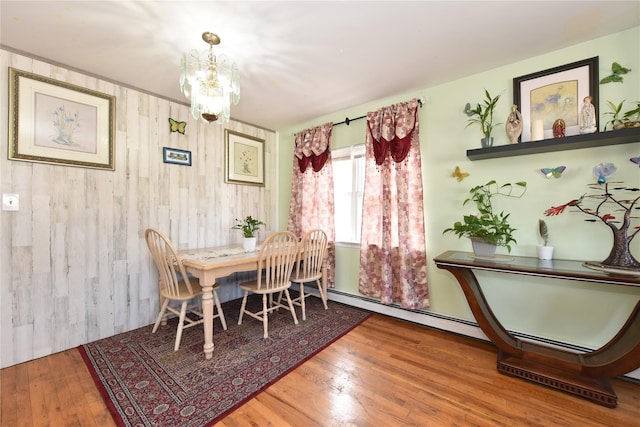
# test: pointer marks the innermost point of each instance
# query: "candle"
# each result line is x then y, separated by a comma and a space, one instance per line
537, 130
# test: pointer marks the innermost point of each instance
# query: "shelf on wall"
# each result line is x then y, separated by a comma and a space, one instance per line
598, 139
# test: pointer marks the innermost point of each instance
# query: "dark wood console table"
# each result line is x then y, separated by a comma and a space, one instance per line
583, 374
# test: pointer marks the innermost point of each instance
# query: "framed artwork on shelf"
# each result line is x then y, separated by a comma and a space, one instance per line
178, 157
244, 159
557, 93
59, 123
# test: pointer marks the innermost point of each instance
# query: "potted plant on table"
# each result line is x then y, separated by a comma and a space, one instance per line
249, 227
483, 115
488, 229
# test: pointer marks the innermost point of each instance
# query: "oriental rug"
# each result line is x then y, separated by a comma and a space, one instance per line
144, 383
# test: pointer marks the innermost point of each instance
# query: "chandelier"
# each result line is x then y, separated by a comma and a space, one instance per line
211, 82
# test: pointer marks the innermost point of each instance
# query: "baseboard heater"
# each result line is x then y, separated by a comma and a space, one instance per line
448, 323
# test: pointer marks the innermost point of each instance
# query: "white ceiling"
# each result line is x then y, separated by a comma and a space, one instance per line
300, 60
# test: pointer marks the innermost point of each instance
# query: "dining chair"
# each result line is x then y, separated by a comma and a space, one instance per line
275, 264
311, 254
177, 286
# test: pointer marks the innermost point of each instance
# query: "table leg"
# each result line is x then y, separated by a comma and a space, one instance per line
207, 282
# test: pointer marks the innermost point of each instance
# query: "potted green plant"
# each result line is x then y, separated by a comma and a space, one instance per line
616, 121
488, 229
620, 120
483, 115
632, 117
249, 226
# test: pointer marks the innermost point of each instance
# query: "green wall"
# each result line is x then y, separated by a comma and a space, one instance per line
573, 312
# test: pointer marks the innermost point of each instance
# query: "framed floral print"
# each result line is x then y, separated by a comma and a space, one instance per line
244, 159
59, 123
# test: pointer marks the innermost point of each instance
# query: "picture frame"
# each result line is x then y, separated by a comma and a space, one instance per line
175, 156
244, 159
556, 93
59, 123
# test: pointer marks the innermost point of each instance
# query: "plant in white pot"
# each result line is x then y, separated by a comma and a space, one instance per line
483, 115
249, 227
486, 228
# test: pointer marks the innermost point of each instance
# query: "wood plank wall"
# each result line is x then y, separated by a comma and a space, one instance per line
74, 266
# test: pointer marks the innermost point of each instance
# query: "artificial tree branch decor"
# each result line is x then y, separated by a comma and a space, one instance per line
607, 208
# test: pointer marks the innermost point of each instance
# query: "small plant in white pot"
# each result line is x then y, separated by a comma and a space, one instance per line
249, 227
544, 251
488, 229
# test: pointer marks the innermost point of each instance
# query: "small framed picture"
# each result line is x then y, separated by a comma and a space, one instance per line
557, 93
59, 123
179, 157
244, 159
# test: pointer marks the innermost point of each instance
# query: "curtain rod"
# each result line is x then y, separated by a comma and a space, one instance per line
347, 120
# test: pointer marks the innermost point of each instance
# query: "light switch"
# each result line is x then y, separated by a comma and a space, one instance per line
10, 202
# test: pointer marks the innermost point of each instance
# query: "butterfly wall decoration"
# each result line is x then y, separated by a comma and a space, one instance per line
617, 71
635, 160
458, 174
176, 126
553, 172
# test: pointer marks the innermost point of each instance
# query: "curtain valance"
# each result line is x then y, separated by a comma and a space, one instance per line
312, 146
391, 129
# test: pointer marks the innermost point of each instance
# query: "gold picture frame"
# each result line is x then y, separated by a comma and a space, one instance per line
244, 159
59, 123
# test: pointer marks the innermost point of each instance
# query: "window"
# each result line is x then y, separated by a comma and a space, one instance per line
348, 186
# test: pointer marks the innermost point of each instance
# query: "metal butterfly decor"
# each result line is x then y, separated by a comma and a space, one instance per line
635, 160
553, 172
176, 126
616, 74
458, 174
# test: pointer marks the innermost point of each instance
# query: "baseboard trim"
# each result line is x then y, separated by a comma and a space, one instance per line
446, 323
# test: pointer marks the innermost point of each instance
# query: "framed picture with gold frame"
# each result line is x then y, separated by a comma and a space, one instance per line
244, 159
557, 93
59, 123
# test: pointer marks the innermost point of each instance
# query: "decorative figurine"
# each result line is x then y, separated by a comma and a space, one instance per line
514, 125
587, 116
559, 127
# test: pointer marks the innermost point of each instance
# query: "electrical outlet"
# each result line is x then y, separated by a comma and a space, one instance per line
10, 202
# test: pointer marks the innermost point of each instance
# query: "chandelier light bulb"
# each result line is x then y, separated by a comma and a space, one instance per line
210, 82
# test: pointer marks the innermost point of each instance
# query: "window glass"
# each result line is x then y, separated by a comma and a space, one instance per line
348, 178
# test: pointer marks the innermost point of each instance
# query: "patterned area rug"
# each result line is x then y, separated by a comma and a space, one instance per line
145, 383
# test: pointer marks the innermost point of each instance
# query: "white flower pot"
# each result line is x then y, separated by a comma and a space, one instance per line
249, 243
545, 252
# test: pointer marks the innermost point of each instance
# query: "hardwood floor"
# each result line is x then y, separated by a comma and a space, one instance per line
385, 372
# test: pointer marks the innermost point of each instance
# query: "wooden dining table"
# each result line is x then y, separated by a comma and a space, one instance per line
208, 264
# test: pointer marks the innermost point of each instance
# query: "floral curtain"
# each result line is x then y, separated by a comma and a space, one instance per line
311, 204
393, 261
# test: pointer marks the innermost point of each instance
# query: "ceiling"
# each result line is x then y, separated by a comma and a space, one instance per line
300, 60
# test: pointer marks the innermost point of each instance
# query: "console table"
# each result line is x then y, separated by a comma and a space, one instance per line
583, 374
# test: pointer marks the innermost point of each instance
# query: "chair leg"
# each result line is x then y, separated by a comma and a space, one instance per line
265, 316
220, 312
183, 313
163, 310
302, 297
293, 311
244, 304
323, 295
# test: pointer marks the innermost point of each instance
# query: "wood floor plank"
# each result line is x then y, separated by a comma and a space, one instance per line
384, 372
